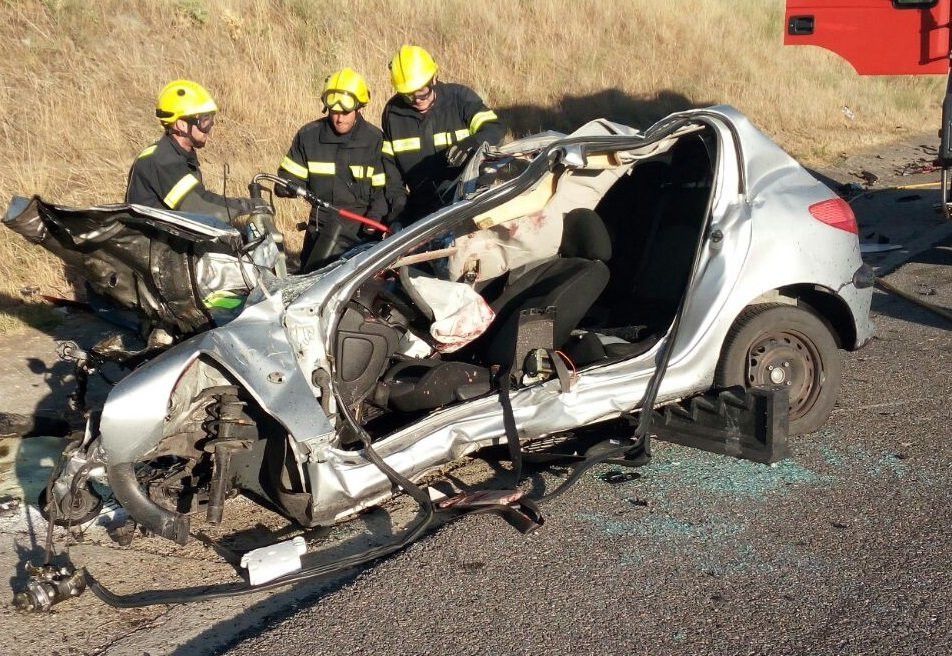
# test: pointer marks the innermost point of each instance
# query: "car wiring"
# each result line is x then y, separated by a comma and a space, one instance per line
207, 593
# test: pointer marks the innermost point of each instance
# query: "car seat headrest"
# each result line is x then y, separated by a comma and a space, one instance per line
584, 235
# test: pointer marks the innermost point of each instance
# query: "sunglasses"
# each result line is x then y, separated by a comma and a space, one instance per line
339, 101
418, 96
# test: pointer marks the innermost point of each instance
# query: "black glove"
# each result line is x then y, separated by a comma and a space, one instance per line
457, 155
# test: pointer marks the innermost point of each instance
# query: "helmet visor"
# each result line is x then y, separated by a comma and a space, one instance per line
336, 100
420, 95
203, 122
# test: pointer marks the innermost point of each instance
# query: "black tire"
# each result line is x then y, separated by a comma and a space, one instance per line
86, 506
784, 345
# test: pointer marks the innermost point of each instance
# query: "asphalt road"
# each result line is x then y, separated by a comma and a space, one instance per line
845, 548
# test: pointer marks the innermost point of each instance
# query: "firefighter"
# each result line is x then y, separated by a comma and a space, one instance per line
166, 175
340, 157
430, 128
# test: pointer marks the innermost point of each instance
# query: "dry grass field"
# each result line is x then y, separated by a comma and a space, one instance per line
78, 81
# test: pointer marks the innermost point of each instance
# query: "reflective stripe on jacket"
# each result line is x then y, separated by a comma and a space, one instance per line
418, 142
162, 175
166, 176
346, 171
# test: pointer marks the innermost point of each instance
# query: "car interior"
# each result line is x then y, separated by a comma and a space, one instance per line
587, 267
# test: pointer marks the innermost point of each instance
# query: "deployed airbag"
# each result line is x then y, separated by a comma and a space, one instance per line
460, 315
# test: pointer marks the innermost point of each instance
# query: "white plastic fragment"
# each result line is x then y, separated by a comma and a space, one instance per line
268, 563
435, 494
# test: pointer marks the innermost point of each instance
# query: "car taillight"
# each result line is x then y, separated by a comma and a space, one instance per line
835, 212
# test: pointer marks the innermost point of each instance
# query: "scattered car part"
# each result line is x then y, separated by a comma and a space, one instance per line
49, 585
78, 507
268, 563
202, 593
9, 507
615, 476
69, 498
751, 424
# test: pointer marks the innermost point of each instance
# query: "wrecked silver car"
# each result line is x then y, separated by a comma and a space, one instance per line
575, 279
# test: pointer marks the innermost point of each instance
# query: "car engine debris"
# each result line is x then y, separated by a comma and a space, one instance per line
49, 585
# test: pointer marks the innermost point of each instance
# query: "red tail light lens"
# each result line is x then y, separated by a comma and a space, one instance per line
835, 212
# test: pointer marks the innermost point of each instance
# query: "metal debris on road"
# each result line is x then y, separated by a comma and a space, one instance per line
9, 508
615, 476
850, 190
268, 563
49, 585
917, 167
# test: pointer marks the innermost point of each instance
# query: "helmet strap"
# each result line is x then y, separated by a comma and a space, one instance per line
184, 134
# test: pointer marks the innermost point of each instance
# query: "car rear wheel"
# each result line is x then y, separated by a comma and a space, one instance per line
784, 346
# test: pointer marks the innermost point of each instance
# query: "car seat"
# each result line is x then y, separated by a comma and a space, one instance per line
663, 271
570, 284
632, 208
421, 384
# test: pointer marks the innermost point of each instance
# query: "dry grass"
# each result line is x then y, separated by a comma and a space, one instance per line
79, 81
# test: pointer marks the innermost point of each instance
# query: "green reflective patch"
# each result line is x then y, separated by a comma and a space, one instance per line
223, 300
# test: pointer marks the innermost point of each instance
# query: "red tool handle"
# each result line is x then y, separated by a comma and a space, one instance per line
376, 225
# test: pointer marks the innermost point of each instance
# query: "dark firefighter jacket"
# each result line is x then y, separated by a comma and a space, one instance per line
418, 142
167, 177
346, 171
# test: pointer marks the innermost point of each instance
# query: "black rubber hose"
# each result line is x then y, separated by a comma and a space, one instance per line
166, 523
932, 307
206, 593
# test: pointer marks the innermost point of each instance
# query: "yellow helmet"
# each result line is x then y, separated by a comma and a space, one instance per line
345, 91
181, 99
411, 69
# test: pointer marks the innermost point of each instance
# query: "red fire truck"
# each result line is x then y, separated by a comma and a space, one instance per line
883, 37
